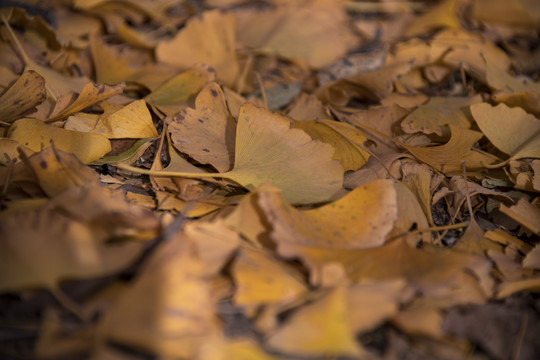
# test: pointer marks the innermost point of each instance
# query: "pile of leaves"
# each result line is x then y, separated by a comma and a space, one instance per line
236, 179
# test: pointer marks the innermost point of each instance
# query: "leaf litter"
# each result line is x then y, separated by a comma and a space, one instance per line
236, 179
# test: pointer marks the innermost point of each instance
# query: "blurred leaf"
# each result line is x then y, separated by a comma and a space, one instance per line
22, 96
36, 135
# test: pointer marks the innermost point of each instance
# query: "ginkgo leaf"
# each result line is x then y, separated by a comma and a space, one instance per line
319, 329
524, 213
438, 111
511, 130
366, 215
170, 96
57, 171
345, 139
442, 15
448, 157
41, 248
22, 96
90, 95
314, 32
215, 242
132, 121
56, 83
261, 279
206, 133
174, 313
268, 150
208, 39
36, 135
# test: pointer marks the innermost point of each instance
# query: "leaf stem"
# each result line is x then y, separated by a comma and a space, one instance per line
160, 173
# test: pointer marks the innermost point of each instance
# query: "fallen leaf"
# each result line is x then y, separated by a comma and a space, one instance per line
91, 94
314, 32
22, 96
367, 214
524, 213
510, 12
171, 96
347, 140
448, 157
261, 279
319, 329
174, 313
132, 121
42, 248
438, 111
57, 171
268, 150
215, 243
372, 303
36, 135
206, 133
208, 39
511, 130
444, 14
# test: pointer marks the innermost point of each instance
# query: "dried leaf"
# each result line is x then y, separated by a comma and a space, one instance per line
367, 214
209, 39
448, 157
268, 150
36, 135
318, 329
41, 248
511, 130
261, 279
22, 96
206, 133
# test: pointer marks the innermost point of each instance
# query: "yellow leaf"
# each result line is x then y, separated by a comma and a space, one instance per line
57, 171
109, 66
132, 121
22, 96
315, 32
90, 95
524, 13
320, 328
366, 215
344, 138
174, 314
371, 303
208, 39
430, 117
448, 157
532, 259
36, 135
206, 133
175, 92
444, 14
261, 279
524, 213
511, 130
41, 248
215, 243
268, 150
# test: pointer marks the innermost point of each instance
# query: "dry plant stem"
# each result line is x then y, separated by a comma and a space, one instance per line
431, 229
136, 170
521, 336
69, 304
467, 196
242, 79
389, 7
263, 93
